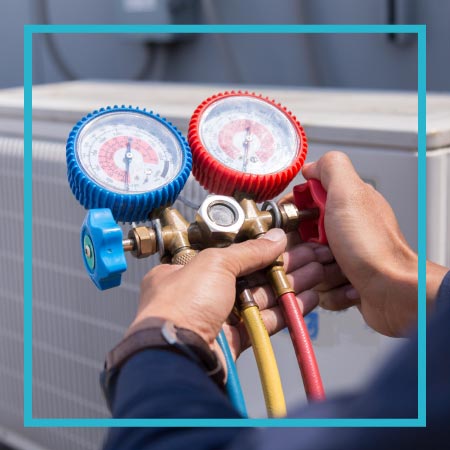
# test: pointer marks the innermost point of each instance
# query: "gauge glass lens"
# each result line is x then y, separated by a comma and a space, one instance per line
128, 153
249, 135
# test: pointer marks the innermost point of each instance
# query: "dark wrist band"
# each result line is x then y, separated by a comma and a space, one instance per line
163, 334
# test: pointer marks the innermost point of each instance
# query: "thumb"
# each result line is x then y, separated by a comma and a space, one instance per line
255, 254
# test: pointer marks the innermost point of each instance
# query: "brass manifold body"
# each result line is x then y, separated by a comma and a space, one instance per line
219, 222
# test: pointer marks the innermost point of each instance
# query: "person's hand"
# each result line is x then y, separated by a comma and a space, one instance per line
370, 249
201, 295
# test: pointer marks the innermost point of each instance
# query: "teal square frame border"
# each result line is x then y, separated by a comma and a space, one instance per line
29, 31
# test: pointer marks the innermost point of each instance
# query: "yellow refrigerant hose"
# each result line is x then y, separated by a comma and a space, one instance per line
265, 359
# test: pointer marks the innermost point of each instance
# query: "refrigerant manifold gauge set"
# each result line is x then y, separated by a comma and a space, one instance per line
127, 164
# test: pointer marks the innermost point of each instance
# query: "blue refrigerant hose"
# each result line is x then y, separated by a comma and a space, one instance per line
233, 386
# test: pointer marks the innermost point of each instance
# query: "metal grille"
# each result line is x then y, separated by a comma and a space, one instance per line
74, 324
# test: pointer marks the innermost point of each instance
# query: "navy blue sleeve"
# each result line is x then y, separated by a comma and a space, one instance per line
158, 383
443, 296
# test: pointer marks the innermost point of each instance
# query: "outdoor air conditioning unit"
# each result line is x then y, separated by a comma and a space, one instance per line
74, 324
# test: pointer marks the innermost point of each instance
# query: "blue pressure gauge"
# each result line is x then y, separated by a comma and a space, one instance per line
122, 163
128, 160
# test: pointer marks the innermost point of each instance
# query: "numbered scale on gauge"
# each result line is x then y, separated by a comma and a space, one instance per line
131, 153
238, 138
128, 152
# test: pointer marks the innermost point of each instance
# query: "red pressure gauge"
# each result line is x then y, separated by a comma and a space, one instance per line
243, 142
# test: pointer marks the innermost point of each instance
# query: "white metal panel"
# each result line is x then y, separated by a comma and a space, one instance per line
446, 193
374, 118
438, 208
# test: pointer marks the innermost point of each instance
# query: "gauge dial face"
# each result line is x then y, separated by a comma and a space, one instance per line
249, 135
128, 153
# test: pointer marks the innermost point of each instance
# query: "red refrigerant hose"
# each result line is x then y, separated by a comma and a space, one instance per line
307, 196
302, 346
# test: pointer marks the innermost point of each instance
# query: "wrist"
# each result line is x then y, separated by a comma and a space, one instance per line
405, 292
395, 291
159, 333
141, 320
403, 297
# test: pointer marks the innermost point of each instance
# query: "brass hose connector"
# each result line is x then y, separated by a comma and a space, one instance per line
244, 296
278, 278
143, 242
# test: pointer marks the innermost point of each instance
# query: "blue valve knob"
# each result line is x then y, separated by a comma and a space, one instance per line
102, 249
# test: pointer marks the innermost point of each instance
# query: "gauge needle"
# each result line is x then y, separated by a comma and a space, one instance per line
127, 160
246, 144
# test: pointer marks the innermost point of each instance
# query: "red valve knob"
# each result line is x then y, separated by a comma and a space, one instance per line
311, 195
